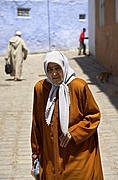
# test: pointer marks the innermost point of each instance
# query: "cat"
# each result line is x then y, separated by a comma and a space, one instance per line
104, 76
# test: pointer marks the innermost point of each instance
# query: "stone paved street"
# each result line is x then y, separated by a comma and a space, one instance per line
16, 114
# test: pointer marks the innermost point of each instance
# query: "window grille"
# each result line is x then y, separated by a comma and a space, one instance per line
82, 16
23, 12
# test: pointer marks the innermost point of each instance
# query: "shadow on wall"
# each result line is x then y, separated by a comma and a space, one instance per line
93, 70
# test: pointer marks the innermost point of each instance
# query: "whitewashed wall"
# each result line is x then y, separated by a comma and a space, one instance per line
91, 26
52, 24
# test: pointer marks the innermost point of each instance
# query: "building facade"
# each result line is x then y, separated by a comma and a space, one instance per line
45, 24
104, 44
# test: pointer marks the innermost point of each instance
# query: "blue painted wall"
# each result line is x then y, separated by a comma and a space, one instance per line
52, 24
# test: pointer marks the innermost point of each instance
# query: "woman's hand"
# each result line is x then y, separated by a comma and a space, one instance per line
64, 140
32, 171
34, 156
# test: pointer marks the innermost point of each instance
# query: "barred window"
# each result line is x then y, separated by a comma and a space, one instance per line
116, 11
82, 16
101, 13
24, 12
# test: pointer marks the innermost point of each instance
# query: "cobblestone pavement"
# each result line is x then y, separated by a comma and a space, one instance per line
15, 116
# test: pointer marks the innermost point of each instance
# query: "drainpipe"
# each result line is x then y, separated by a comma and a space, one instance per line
48, 9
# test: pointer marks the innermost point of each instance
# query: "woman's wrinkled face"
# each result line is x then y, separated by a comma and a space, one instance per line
55, 73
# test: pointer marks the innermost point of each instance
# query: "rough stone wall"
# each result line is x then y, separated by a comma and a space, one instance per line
52, 24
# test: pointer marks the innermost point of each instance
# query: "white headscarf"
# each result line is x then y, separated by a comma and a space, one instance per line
64, 98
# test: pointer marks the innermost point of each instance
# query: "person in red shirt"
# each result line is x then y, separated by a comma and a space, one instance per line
82, 44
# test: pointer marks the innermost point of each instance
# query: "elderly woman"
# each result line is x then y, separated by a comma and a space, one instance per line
64, 127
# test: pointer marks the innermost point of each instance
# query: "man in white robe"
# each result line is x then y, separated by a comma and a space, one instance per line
17, 52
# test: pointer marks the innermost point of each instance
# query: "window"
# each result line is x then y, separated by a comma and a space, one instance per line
116, 11
23, 12
101, 12
82, 17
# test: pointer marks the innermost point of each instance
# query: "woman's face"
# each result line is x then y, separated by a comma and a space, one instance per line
55, 73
